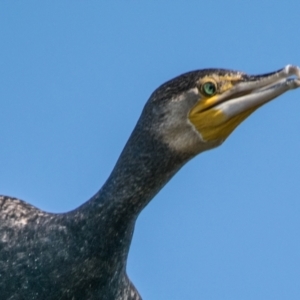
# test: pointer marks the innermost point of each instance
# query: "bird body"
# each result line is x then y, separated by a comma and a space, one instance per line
82, 254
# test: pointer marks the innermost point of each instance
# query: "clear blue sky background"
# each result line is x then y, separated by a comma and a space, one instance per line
74, 76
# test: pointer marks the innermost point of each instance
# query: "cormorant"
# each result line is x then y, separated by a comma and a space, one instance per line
82, 254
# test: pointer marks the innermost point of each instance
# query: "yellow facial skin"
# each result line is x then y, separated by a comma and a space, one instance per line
228, 99
211, 122
214, 125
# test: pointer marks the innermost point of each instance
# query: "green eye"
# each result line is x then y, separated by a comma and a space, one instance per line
209, 88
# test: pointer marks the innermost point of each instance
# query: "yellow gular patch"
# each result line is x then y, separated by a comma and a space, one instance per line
210, 122
213, 124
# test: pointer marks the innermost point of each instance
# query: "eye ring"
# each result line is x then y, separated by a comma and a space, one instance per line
209, 88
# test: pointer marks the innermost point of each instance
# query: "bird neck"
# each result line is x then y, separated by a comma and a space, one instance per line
108, 218
143, 168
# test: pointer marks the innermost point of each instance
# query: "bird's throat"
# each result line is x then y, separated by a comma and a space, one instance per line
213, 124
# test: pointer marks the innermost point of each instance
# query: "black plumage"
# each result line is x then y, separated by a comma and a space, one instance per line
82, 254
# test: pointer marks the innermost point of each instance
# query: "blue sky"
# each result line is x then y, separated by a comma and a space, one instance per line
74, 78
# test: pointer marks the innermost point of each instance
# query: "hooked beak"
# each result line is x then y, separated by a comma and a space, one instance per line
258, 90
216, 117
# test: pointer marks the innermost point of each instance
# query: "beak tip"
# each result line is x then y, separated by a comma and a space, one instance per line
292, 70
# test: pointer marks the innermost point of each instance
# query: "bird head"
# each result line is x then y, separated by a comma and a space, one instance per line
198, 110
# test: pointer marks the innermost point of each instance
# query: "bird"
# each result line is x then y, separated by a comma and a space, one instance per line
82, 254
